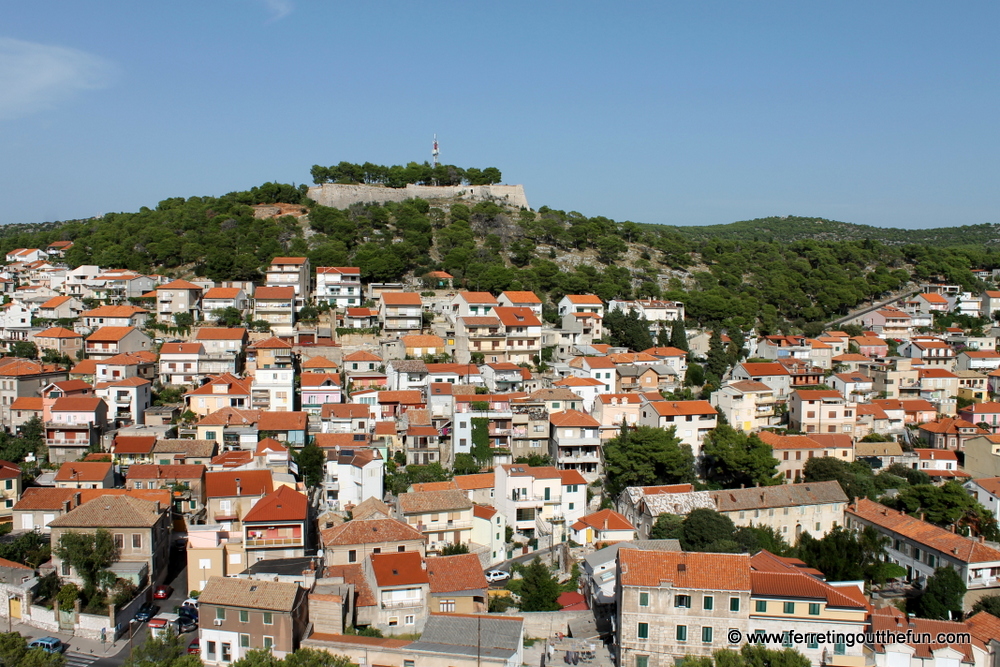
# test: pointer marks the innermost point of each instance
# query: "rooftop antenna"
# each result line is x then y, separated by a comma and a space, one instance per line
434, 151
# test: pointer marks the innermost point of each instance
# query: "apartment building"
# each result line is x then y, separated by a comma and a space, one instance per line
400, 313
692, 420
821, 411
747, 405
575, 443
339, 286
291, 272
539, 501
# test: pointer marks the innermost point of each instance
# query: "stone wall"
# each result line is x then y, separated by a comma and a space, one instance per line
343, 196
541, 624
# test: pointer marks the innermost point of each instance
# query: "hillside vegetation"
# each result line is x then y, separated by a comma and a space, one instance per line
749, 274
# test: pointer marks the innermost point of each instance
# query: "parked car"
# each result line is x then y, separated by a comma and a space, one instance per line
186, 624
162, 592
194, 648
146, 612
48, 644
190, 602
494, 576
190, 612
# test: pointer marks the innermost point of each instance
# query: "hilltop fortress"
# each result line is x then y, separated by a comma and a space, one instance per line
337, 195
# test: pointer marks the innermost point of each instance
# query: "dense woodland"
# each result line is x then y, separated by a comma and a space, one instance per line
398, 176
775, 285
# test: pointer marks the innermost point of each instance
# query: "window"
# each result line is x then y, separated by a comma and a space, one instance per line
136, 541
244, 616
210, 435
811, 642
642, 661
268, 618
761, 606
839, 649
708, 603
220, 613
408, 663
683, 601
786, 640
789, 607
814, 609
734, 604
643, 631
408, 620
9, 484
268, 642
643, 598
244, 641
119, 541
447, 605
400, 549
760, 635
352, 556
227, 652
681, 633
65, 569
210, 650
393, 621
706, 634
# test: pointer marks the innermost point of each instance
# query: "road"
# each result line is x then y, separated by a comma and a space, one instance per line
902, 294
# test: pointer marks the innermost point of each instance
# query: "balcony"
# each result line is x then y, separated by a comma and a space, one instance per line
440, 526
64, 442
274, 542
399, 604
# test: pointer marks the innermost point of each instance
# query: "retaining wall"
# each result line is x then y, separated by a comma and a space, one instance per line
337, 195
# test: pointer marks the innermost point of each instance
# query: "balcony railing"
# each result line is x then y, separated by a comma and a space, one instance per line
440, 526
398, 604
274, 542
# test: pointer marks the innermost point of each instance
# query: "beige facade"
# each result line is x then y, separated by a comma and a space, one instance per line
212, 553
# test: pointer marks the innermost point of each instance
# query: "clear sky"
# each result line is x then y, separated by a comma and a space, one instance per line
881, 113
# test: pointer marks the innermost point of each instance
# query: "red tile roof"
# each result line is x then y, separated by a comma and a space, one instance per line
110, 334
133, 444
30, 403
282, 421
521, 297
288, 260
374, 530
222, 293
83, 471
57, 332
283, 504
277, 293
573, 418
605, 519
708, 571
401, 299
454, 574
179, 284
172, 471
584, 299
220, 333
398, 569
76, 404
764, 368
223, 484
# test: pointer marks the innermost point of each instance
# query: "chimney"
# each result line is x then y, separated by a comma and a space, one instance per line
953, 528
982, 540
65, 507
76, 499
239, 487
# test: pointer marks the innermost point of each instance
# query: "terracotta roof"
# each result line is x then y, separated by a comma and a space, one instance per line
708, 571
764, 368
179, 284
222, 293
605, 519
666, 488
223, 484
954, 545
573, 418
571, 477
891, 619
76, 404
319, 380
345, 411
110, 334
788, 441
401, 299
235, 385
109, 511
269, 445
27, 403
398, 569
233, 459
188, 448
220, 333
631, 398
483, 512
984, 626
282, 421
83, 472
134, 381
318, 362
385, 428
422, 340
477, 297
251, 593
513, 316
282, 504
983, 408
475, 481
584, 299
577, 381
423, 502
433, 486
361, 355
20, 368
949, 425
9, 470
360, 312
521, 297
665, 352
800, 585
272, 343
682, 408
133, 444
55, 302
454, 574
991, 485
57, 332
277, 293
408, 397
174, 471
44, 498
181, 348
374, 530
850, 357
354, 574
352, 270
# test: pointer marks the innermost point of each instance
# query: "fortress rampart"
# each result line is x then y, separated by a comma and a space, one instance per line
337, 195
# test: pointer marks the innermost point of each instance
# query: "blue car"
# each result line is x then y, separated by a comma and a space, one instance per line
48, 644
146, 612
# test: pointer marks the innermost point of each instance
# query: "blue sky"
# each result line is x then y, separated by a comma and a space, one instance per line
878, 113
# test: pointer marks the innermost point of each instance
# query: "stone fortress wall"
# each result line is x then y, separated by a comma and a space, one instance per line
337, 195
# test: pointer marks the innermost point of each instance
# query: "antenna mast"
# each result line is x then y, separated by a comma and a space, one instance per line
434, 151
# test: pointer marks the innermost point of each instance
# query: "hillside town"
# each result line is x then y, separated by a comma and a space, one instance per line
415, 475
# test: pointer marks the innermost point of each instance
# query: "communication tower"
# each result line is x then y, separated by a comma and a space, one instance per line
434, 151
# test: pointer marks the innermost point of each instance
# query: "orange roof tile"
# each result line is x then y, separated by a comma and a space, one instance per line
110, 334
133, 444
517, 317
277, 293
114, 311
573, 418
222, 293
377, 529
57, 332
454, 574
83, 471
398, 569
76, 404
708, 571
475, 481
605, 519
282, 504
220, 333
401, 299
288, 260
167, 472
521, 297
584, 299
223, 484
27, 403
282, 421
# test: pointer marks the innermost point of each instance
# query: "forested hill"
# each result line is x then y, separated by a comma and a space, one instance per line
770, 278
794, 228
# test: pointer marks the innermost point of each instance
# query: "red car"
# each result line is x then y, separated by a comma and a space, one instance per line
162, 592
194, 648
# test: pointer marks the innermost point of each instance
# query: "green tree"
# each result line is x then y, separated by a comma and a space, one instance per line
259, 657
184, 320
24, 349
14, 653
166, 650
943, 596
947, 505
89, 554
312, 464
539, 589
733, 459
482, 452
310, 657
455, 549
856, 479
988, 603
678, 335
706, 530
645, 456
667, 527
843, 555
465, 464
229, 316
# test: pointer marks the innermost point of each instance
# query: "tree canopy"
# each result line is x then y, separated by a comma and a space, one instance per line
733, 459
645, 456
